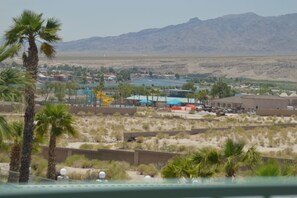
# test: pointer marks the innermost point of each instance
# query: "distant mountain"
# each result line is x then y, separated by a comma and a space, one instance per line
242, 34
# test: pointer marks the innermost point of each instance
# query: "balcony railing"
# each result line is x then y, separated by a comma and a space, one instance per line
264, 187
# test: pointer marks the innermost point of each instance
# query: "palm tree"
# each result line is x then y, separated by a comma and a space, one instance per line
120, 92
96, 90
206, 162
56, 120
232, 154
71, 90
16, 134
26, 29
12, 83
158, 93
178, 167
236, 157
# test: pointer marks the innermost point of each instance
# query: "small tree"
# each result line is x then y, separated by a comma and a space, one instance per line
220, 90
16, 135
56, 120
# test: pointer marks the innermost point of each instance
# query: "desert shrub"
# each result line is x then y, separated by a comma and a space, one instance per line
103, 146
99, 138
90, 113
38, 166
117, 171
149, 169
162, 135
76, 175
75, 161
140, 139
168, 148
136, 146
91, 175
273, 168
89, 163
182, 135
87, 146
209, 116
117, 114
146, 126
4, 158
116, 135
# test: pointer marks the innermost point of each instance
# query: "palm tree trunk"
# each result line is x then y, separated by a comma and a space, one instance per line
30, 63
14, 163
51, 168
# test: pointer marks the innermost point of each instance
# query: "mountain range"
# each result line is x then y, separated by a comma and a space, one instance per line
240, 34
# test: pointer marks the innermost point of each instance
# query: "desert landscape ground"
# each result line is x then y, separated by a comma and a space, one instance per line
254, 67
106, 132
281, 68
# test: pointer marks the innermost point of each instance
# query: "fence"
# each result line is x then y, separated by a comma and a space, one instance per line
77, 109
275, 112
132, 157
131, 135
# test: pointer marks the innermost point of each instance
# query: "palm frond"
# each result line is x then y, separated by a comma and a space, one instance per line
12, 84
4, 129
57, 118
8, 51
49, 31
48, 50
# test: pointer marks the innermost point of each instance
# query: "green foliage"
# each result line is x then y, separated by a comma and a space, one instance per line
38, 166
207, 162
8, 51
149, 169
221, 90
117, 171
87, 147
178, 167
275, 168
233, 148
75, 161
189, 86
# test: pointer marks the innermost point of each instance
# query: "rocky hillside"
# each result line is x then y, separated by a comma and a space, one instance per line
243, 34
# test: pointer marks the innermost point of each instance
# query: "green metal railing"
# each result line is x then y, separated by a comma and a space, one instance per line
208, 188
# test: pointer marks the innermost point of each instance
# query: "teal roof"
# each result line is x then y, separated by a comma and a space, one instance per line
160, 98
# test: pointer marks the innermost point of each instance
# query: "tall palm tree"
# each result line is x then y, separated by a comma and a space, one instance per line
16, 134
26, 30
56, 120
12, 83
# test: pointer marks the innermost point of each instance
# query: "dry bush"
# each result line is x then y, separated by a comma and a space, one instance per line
87, 146
149, 169
38, 166
118, 136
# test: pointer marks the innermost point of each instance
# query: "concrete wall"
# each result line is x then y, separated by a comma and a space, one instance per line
275, 112
253, 103
131, 157
128, 136
79, 109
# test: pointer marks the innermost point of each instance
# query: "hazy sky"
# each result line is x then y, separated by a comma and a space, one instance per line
87, 18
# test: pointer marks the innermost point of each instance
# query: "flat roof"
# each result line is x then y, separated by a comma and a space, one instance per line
266, 97
160, 98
